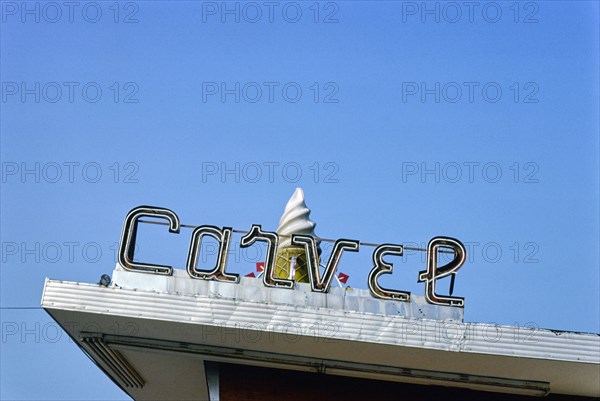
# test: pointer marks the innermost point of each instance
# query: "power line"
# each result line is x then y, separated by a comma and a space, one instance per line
408, 248
20, 307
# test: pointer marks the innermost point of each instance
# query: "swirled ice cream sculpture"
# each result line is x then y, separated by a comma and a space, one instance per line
295, 220
290, 261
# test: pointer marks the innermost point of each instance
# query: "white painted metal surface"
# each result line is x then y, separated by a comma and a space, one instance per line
347, 329
253, 290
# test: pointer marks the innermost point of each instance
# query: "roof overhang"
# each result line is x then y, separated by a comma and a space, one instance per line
152, 337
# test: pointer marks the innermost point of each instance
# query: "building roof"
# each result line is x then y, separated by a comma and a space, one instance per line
150, 333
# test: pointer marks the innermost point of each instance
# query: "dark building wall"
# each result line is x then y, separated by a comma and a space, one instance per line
248, 383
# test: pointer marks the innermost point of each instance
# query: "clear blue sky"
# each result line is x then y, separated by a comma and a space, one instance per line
480, 124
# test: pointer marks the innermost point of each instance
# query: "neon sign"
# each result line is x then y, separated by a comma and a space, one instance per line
320, 282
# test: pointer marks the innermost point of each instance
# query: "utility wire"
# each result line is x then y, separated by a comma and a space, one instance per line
408, 248
20, 307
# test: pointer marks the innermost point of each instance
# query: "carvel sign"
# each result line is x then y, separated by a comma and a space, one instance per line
320, 282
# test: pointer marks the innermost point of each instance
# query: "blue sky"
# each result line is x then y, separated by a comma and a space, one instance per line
401, 123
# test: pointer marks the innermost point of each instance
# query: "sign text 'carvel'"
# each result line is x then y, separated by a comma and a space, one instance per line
319, 281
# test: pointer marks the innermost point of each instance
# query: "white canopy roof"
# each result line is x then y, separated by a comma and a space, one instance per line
150, 334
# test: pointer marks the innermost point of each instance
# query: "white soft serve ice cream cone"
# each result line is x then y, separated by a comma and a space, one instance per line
295, 220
